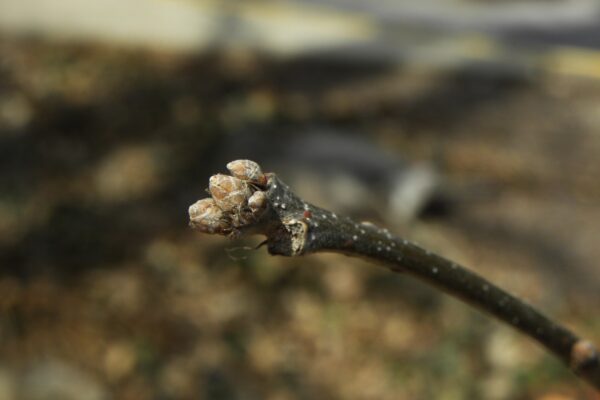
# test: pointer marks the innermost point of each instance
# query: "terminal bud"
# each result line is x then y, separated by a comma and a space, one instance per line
248, 171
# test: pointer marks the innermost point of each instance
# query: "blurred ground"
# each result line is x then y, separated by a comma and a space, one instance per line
105, 293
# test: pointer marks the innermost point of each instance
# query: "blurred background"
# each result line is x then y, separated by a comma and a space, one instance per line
469, 126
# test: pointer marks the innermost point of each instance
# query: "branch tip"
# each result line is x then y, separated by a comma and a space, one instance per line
250, 201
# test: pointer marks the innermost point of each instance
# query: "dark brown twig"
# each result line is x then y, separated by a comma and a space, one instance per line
253, 202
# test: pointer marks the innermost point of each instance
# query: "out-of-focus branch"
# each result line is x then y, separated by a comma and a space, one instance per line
248, 201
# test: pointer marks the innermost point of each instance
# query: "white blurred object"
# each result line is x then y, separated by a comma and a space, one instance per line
473, 14
155, 23
517, 36
411, 190
186, 25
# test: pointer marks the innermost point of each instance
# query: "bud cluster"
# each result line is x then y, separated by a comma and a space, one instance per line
236, 200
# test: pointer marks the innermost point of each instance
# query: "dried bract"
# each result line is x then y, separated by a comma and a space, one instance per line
206, 216
230, 193
247, 170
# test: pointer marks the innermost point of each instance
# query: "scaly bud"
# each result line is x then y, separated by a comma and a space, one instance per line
248, 171
207, 217
229, 193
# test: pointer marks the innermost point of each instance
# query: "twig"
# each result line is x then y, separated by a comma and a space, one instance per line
252, 202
